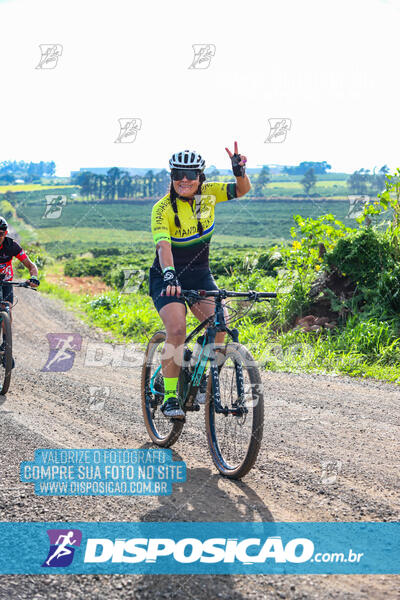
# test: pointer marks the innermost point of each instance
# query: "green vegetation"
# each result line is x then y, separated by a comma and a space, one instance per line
327, 264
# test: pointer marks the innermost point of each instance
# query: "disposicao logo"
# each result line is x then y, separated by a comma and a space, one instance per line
63, 543
190, 550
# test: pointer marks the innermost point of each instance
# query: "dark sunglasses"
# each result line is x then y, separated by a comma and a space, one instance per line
178, 174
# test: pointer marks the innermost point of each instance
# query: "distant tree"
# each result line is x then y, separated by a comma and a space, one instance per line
124, 186
358, 182
51, 168
84, 179
309, 180
377, 180
319, 168
150, 181
7, 178
136, 186
262, 180
213, 173
163, 182
113, 176
101, 182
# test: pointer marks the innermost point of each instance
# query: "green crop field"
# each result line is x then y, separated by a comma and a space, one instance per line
112, 223
65, 240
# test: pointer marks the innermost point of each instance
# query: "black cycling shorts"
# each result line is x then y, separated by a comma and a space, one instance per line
190, 279
8, 293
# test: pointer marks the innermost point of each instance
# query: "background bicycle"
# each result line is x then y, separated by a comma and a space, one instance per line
6, 358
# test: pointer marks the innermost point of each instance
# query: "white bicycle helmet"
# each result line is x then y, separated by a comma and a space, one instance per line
187, 159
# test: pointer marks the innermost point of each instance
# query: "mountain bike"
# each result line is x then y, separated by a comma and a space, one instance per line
234, 404
6, 336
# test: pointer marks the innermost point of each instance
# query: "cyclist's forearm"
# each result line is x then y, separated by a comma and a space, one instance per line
165, 255
243, 185
32, 268
33, 271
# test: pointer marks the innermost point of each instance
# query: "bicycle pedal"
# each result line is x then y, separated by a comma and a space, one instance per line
195, 407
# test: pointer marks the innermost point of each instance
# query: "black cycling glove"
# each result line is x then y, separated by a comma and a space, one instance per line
169, 278
238, 170
34, 280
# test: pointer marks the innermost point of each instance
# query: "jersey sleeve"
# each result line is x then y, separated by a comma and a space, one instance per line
221, 191
159, 222
18, 252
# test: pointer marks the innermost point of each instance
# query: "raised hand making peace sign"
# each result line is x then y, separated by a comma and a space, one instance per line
238, 161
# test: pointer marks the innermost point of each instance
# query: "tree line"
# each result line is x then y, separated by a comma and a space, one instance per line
363, 182
118, 184
31, 172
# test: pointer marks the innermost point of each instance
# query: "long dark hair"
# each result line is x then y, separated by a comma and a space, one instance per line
173, 196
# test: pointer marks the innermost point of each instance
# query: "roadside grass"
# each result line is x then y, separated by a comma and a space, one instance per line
133, 318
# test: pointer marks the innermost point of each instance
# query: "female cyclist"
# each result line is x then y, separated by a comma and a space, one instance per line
182, 224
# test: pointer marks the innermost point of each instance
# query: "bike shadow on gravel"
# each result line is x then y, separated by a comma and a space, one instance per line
205, 496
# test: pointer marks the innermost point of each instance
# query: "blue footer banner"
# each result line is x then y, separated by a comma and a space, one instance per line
194, 548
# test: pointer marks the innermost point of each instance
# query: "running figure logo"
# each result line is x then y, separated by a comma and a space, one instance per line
63, 543
128, 130
133, 279
330, 471
50, 55
62, 351
278, 129
54, 206
203, 54
98, 397
357, 205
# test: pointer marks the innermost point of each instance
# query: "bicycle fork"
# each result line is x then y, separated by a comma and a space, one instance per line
238, 408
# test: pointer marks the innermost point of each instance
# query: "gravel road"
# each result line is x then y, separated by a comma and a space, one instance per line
310, 420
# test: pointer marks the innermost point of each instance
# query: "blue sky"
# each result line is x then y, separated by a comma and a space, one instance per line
329, 67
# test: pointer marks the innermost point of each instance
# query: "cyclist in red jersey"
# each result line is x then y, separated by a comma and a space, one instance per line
9, 249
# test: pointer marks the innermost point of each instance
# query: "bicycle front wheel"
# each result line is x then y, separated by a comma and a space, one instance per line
162, 431
5, 352
234, 439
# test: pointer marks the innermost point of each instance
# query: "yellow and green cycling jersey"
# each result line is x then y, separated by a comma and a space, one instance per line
188, 247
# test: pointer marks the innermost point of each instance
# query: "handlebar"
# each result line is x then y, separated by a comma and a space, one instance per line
221, 294
24, 284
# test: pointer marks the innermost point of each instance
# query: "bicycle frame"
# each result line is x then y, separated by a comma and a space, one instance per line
208, 353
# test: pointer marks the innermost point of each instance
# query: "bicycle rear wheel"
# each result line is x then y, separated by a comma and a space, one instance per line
234, 440
5, 352
162, 431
